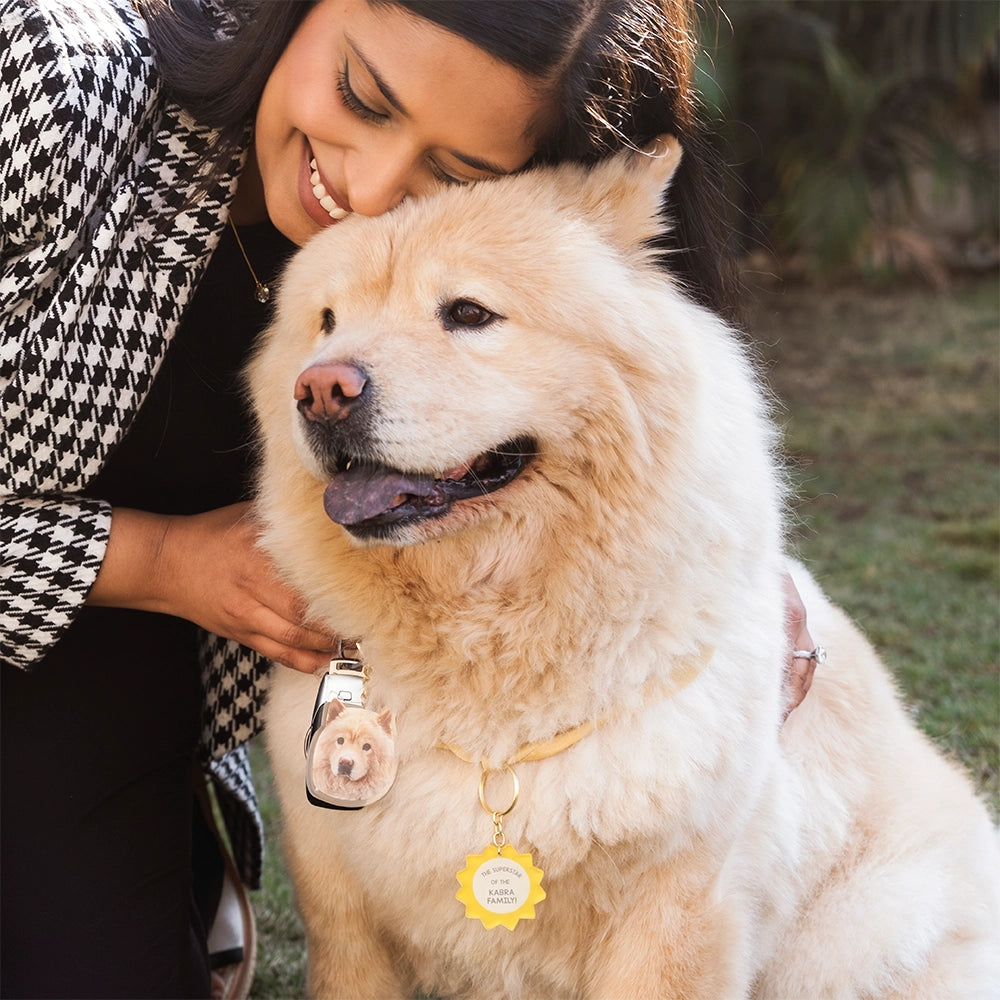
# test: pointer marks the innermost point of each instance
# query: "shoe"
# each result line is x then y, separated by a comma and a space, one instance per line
232, 936
232, 939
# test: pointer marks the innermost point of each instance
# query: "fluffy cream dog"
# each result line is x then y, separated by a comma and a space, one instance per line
538, 483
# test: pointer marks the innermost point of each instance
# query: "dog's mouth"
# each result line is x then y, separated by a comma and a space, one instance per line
370, 499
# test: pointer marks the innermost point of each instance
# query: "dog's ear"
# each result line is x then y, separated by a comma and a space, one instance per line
387, 720
623, 194
333, 709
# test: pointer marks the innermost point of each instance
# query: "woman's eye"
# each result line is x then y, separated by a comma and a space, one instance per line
354, 103
464, 313
444, 177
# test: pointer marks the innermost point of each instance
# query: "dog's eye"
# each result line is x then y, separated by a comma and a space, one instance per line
329, 321
465, 314
340, 740
366, 747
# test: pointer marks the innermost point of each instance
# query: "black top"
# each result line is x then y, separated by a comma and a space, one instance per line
98, 739
189, 448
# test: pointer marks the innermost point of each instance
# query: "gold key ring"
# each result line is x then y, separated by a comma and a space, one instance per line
482, 790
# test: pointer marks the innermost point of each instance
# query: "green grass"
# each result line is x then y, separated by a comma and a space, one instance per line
281, 941
892, 429
890, 412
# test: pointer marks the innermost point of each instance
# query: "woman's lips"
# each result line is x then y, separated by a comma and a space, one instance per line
321, 206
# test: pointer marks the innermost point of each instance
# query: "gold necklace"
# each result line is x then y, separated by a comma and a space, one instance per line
262, 292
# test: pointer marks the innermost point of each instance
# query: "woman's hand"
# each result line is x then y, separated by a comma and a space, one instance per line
208, 569
799, 669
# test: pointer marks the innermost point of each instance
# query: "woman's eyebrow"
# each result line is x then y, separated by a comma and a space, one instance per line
387, 92
475, 162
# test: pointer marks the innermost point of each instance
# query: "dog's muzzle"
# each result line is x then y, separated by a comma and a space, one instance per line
370, 499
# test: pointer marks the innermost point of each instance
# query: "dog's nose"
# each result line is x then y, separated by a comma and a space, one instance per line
327, 392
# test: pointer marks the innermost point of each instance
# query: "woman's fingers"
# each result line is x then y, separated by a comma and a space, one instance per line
799, 670
208, 569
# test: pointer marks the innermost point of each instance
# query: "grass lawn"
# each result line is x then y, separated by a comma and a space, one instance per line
890, 411
892, 426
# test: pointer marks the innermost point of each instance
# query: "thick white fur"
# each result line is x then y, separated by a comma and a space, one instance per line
693, 847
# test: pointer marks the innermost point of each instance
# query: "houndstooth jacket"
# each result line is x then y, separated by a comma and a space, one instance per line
100, 253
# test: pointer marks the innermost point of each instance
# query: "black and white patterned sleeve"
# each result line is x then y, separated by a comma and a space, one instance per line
51, 552
70, 76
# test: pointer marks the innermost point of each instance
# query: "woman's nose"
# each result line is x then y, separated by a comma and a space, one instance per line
379, 180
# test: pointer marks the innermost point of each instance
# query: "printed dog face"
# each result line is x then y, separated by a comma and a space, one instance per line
354, 756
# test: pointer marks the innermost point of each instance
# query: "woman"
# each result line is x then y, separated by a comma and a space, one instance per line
150, 190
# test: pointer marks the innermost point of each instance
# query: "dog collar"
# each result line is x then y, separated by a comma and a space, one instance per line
543, 749
501, 886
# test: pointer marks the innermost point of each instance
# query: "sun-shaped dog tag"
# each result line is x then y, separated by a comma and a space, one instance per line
350, 751
500, 887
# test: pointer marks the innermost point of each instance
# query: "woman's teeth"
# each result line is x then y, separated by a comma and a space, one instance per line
330, 206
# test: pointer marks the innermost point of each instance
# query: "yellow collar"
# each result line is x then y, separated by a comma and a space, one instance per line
542, 749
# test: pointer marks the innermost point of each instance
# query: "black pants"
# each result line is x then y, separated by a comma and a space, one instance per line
96, 810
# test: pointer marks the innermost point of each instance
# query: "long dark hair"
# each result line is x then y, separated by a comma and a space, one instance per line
622, 72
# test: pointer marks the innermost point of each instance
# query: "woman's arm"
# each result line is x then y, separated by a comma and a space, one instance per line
208, 569
59, 131
80, 337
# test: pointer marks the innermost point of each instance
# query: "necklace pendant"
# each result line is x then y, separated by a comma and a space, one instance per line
262, 292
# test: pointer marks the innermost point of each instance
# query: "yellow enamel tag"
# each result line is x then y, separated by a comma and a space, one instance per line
500, 886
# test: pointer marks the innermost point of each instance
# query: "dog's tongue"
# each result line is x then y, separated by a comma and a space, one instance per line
367, 491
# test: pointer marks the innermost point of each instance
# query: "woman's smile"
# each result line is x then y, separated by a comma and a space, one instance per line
333, 206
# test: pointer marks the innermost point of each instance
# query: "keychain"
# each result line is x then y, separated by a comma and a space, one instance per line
500, 886
350, 751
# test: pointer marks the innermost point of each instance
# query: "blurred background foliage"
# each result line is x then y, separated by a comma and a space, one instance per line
863, 134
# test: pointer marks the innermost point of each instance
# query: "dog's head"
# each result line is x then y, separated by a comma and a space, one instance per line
354, 743
424, 365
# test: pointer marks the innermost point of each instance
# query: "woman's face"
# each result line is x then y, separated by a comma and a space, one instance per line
369, 104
